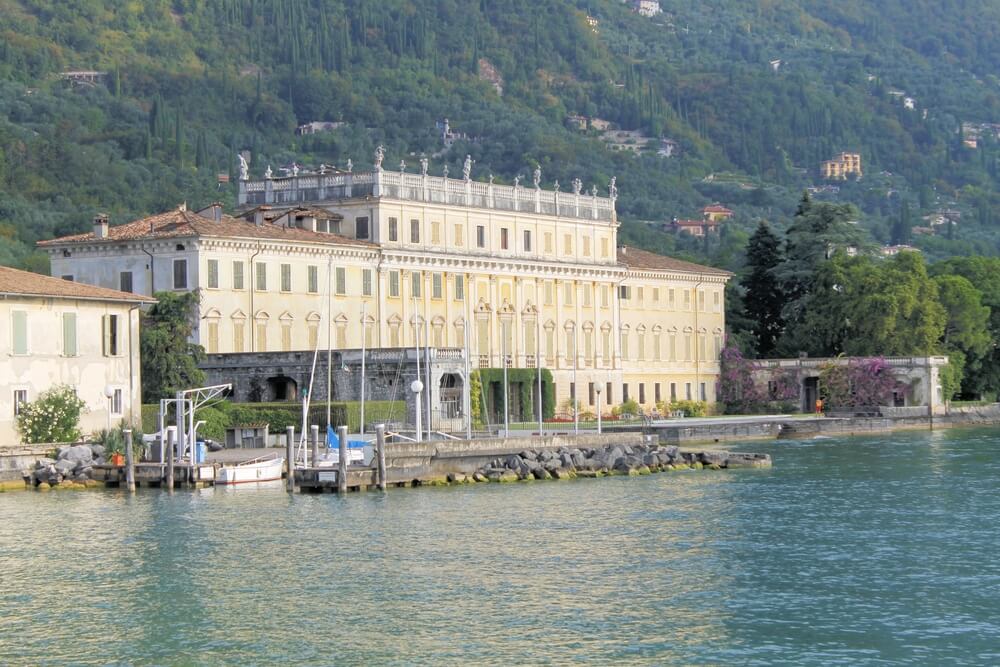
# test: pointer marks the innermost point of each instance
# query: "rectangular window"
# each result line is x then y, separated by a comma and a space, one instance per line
586, 246
313, 336
415, 279
504, 238
604, 248
548, 242
261, 277
340, 280
527, 240
286, 277
394, 285
687, 299
480, 236
180, 274
286, 337
116, 402
687, 390
590, 393
20, 398
237, 275
624, 392
239, 335
366, 282
548, 293
69, 334
436, 233
639, 295
656, 392
586, 296
437, 288
459, 288
125, 281
607, 390
213, 337
111, 335
716, 301
19, 324
567, 244
701, 301
313, 279
605, 296
393, 229
673, 392
642, 392
414, 231
459, 235
670, 299
361, 227
624, 345
213, 274
261, 337
568, 294
624, 292
656, 295
703, 392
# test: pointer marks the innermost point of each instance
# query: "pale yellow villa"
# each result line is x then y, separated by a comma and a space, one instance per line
518, 275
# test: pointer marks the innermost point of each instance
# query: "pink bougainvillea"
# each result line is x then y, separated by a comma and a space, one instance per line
863, 382
737, 389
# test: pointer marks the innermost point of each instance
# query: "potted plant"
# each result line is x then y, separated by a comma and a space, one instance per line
113, 441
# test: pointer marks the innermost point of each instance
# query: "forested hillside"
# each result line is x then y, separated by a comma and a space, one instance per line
754, 95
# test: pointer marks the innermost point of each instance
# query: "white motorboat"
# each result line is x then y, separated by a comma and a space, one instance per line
261, 469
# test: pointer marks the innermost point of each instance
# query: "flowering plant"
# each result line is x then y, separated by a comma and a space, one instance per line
53, 417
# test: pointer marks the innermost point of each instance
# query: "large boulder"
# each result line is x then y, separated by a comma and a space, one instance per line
76, 454
577, 458
65, 467
97, 451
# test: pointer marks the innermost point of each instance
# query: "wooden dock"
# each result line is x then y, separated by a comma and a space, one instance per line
186, 475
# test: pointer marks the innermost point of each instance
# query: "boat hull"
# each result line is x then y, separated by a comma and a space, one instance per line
250, 473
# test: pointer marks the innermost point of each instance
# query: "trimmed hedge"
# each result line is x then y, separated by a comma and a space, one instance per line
279, 416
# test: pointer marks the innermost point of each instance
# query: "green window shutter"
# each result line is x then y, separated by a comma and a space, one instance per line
106, 338
20, 326
69, 334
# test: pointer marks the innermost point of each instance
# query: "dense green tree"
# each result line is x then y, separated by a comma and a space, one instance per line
169, 360
764, 298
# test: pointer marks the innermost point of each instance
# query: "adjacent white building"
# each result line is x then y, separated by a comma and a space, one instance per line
57, 332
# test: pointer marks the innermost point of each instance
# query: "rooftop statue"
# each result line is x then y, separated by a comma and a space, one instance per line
467, 168
423, 166
612, 188
350, 165
537, 177
379, 156
577, 186
244, 167
268, 173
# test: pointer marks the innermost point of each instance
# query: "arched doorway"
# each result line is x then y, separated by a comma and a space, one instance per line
282, 388
451, 395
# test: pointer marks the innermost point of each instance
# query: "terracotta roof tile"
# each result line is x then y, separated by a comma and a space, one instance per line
23, 283
183, 223
634, 258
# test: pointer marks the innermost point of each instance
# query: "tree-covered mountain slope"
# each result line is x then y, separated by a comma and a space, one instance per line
751, 97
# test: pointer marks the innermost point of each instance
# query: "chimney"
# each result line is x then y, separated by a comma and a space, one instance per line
212, 212
258, 215
101, 226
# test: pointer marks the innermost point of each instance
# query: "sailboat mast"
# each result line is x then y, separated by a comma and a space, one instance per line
364, 331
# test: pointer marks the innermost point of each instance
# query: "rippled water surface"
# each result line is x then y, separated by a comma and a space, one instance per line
850, 551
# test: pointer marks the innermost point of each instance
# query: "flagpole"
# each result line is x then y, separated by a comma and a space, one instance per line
364, 331
467, 394
329, 341
538, 366
416, 349
506, 392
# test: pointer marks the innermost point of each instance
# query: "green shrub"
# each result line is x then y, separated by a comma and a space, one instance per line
691, 408
629, 407
52, 417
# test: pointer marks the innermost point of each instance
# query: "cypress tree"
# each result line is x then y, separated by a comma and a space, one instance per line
764, 297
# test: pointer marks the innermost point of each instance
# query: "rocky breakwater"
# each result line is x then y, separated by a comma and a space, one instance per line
72, 468
568, 463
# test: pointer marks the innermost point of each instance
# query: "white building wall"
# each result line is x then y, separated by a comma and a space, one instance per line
89, 371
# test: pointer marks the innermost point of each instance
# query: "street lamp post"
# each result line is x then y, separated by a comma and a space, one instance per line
597, 390
417, 387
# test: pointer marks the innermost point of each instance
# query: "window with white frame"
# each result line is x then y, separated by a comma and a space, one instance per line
20, 398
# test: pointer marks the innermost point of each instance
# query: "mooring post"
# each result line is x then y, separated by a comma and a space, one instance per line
290, 457
380, 447
314, 462
129, 461
342, 475
171, 434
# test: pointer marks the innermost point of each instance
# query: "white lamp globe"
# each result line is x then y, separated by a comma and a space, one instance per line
416, 386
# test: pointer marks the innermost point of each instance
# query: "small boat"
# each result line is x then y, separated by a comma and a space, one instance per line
261, 469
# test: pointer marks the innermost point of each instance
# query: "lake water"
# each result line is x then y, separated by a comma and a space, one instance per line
849, 551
